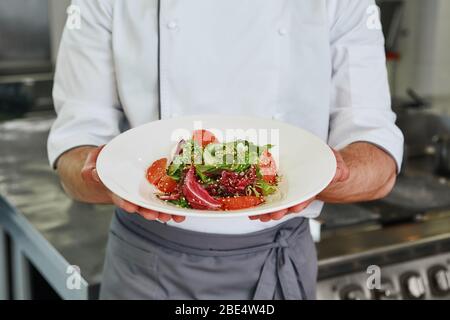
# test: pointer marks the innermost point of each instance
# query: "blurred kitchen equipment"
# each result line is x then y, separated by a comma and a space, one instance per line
25, 37
414, 101
25, 92
442, 154
419, 126
391, 15
403, 277
26, 69
15, 99
402, 108
411, 197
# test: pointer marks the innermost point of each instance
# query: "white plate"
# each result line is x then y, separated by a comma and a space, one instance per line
306, 163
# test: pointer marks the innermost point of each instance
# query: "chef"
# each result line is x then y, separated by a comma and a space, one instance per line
317, 64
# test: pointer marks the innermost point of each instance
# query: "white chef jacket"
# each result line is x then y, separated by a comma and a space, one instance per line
317, 64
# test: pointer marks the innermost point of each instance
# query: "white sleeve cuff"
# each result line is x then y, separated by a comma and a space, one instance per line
391, 144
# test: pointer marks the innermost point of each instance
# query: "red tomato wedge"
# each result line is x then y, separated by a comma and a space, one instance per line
166, 184
268, 167
156, 171
204, 137
242, 202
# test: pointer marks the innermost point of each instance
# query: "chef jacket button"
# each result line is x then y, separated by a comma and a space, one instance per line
282, 31
172, 25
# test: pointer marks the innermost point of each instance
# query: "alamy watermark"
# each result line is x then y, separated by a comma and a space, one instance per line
373, 20
73, 17
259, 138
374, 279
73, 280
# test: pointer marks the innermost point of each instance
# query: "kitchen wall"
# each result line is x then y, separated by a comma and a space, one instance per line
58, 18
425, 51
442, 54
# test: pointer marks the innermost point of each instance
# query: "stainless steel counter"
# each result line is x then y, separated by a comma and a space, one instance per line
373, 240
46, 227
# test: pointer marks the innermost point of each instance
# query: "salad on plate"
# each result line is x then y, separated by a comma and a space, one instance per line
206, 174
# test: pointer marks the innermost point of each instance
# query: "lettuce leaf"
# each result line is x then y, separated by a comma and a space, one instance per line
266, 188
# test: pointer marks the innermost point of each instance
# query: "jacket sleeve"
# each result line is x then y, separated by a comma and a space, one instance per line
361, 103
85, 92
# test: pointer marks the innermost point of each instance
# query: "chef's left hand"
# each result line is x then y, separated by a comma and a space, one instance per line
342, 174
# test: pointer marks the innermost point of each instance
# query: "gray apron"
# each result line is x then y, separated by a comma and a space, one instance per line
151, 260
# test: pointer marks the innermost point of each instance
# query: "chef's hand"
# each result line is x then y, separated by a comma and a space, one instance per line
90, 175
341, 175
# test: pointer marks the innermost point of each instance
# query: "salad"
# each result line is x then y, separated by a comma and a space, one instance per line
206, 174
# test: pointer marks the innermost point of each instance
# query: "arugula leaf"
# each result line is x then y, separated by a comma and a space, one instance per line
266, 188
212, 169
191, 153
182, 202
265, 147
174, 170
199, 170
236, 156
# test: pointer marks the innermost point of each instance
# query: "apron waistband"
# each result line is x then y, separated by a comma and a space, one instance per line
210, 243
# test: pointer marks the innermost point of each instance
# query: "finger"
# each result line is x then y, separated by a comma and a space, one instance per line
164, 217
86, 173
298, 208
91, 161
258, 217
345, 173
337, 176
95, 153
148, 214
265, 217
123, 204
95, 176
342, 174
254, 217
342, 171
339, 168
178, 219
278, 214
92, 157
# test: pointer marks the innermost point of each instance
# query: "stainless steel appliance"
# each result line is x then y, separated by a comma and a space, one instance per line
25, 57
427, 278
406, 235
406, 271
25, 37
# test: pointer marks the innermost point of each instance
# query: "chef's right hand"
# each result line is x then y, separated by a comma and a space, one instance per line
90, 175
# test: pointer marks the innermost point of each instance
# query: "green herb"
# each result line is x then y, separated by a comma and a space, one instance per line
199, 170
191, 153
202, 169
266, 188
258, 173
174, 171
263, 148
251, 190
236, 156
182, 202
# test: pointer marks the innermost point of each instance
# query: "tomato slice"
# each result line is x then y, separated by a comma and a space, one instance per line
156, 171
166, 184
204, 137
268, 167
241, 202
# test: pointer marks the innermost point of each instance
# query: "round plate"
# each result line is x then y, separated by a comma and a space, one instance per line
305, 162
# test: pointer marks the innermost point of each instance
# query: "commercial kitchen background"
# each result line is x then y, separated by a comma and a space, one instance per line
46, 239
